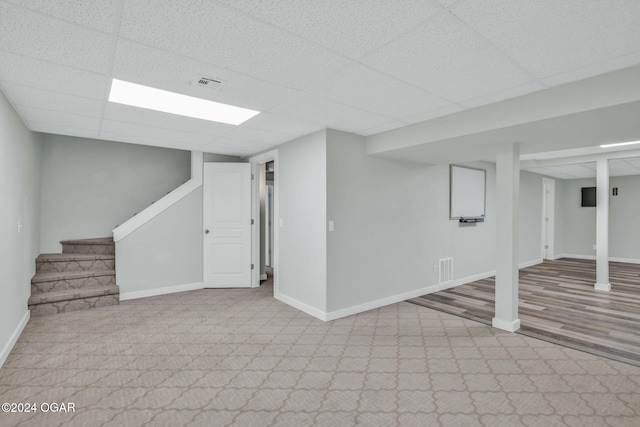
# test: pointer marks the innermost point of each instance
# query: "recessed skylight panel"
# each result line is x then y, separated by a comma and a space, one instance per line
174, 103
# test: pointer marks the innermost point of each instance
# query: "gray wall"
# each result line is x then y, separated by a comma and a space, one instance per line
578, 230
302, 176
90, 186
624, 213
392, 224
166, 251
20, 155
530, 217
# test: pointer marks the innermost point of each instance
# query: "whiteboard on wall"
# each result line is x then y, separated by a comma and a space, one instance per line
466, 192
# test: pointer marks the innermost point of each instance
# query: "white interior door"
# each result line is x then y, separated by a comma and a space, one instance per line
227, 225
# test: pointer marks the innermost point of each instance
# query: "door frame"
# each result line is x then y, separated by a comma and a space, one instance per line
275, 256
548, 226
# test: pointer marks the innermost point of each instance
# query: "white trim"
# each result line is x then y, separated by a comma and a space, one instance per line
312, 311
275, 256
161, 291
14, 337
146, 215
337, 314
506, 325
255, 230
263, 276
593, 257
602, 286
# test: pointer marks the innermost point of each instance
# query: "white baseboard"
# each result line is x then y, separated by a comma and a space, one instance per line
593, 257
14, 337
312, 311
161, 291
263, 276
355, 309
506, 325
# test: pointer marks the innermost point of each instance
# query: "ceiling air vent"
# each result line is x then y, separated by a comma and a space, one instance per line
208, 82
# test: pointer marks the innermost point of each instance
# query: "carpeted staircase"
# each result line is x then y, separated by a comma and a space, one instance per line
83, 276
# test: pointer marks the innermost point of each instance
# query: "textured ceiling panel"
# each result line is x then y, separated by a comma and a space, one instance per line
440, 112
229, 39
282, 124
454, 64
512, 92
352, 28
160, 134
26, 96
138, 63
415, 60
373, 91
40, 115
157, 119
333, 115
96, 14
148, 140
257, 136
550, 37
30, 34
58, 129
45, 75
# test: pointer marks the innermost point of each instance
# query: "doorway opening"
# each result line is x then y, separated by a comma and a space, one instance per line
266, 211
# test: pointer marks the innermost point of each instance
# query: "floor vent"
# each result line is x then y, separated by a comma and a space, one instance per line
446, 270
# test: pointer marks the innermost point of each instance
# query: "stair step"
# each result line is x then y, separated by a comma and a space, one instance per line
102, 245
70, 280
46, 263
73, 299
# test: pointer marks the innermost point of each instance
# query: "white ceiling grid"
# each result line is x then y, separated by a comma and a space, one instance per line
362, 66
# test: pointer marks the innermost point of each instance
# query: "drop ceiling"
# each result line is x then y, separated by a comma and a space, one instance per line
362, 66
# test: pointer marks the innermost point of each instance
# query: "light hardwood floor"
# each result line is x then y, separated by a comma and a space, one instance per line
559, 304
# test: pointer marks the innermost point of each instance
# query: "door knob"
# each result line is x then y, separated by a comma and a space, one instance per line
206, 231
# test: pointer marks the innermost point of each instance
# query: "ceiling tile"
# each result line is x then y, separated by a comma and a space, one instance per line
160, 120
447, 59
31, 34
512, 92
42, 116
633, 161
57, 129
352, 28
144, 140
447, 3
150, 132
96, 14
257, 136
440, 112
40, 98
45, 75
394, 124
229, 39
331, 114
549, 37
370, 90
603, 67
138, 63
281, 124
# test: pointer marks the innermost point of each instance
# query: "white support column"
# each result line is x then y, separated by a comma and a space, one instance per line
507, 223
602, 226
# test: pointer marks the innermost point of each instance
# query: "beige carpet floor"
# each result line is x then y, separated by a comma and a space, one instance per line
242, 358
